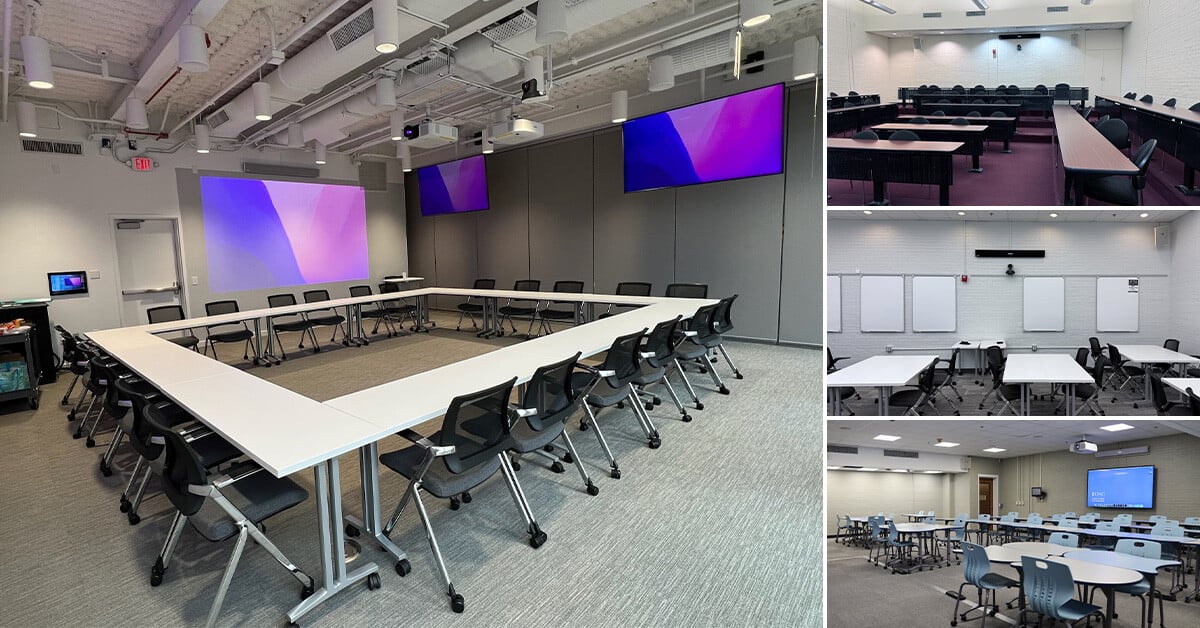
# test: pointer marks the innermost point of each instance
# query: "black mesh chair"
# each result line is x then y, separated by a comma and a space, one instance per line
1148, 99
693, 349
938, 113
945, 377
236, 332
687, 290
397, 309
1122, 189
521, 307
233, 504
844, 392
94, 389
75, 359
1170, 344
960, 122
548, 314
1115, 131
913, 398
658, 351
1062, 91
169, 313
1195, 107
1090, 393
325, 318
1097, 349
1125, 374
1193, 403
999, 101
1041, 89
998, 114
374, 311
470, 308
548, 402
1005, 394
867, 134
296, 323
978, 101
904, 135
918, 120
612, 384
974, 114
722, 323
1130, 95
629, 289
1158, 395
1170, 102
466, 451
979, 89
112, 405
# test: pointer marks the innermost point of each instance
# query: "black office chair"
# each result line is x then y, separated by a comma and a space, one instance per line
330, 319
1062, 91
978, 101
913, 398
958, 89
75, 359
397, 309
1090, 393
694, 350
1122, 189
979, 89
240, 333
934, 89
946, 377
867, 134
465, 452
1102, 119
1005, 393
1041, 89
999, 101
516, 307
919, 120
722, 323
547, 314
687, 290
1148, 99
943, 101
1158, 395
168, 313
998, 114
904, 135
1193, 403
960, 122
629, 289
94, 389
469, 308
297, 323
1116, 132
1170, 102
1087, 112
938, 113
612, 384
1126, 375
658, 361
844, 392
1013, 90
851, 93
374, 311
1170, 344
974, 114
1195, 107
1097, 349
220, 508
1131, 95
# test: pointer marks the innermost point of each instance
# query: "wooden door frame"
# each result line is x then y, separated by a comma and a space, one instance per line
995, 492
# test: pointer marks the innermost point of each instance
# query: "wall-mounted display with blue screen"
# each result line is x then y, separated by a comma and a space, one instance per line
70, 282
1121, 487
271, 234
728, 138
453, 187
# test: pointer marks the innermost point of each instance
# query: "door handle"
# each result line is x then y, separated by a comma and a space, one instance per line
171, 288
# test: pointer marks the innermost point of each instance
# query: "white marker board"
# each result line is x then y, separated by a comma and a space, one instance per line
934, 304
1044, 302
833, 303
1117, 303
881, 303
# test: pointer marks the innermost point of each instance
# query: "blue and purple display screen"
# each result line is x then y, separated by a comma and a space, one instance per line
728, 138
1122, 487
74, 282
452, 187
270, 234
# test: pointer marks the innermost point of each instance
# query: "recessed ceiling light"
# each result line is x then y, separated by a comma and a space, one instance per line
868, 469
867, 212
1117, 427
832, 468
931, 472
995, 450
1053, 215
1143, 215
898, 470
945, 443
888, 437
962, 213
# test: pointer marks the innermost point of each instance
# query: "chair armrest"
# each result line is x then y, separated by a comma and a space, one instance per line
690, 333
236, 473
646, 355
595, 371
434, 449
523, 412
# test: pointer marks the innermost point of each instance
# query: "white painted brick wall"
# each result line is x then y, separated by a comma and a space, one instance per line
990, 303
1162, 50
1185, 282
855, 60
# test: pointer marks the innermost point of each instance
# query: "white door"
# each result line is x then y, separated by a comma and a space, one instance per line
1102, 72
148, 267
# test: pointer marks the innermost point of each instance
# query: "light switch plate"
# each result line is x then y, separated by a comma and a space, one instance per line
93, 274
195, 280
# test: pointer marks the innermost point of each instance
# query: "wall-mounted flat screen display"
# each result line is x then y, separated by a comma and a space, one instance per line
453, 187
728, 138
1121, 487
270, 234
69, 282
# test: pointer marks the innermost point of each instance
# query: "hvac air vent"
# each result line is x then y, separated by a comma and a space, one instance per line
841, 449
217, 119
428, 65
355, 28
372, 175
937, 14
510, 27
276, 170
703, 53
1057, 9
898, 453
58, 148
976, 13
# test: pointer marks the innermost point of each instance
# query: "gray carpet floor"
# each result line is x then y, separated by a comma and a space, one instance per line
720, 526
863, 594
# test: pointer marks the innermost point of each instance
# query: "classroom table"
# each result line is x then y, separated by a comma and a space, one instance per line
970, 135
998, 128
926, 546
858, 117
1085, 152
1177, 130
970, 93
1183, 384
884, 161
839, 102
1026, 369
422, 304
1152, 354
883, 372
980, 348
1148, 567
926, 105
1092, 574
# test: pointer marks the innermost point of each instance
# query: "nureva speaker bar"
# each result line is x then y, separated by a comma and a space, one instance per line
1010, 253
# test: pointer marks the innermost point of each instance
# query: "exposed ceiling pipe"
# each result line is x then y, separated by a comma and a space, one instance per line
7, 54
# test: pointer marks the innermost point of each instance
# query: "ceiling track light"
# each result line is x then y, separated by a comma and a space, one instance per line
982, 4
35, 55
755, 12
404, 154
880, 6
193, 48
321, 154
387, 26
203, 139
135, 114
295, 135
385, 94
26, 119
806, 58
486, 143
551, 22
620, 106
262, 100
397, 124
662, 73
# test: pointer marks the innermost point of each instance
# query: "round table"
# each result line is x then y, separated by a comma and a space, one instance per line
1037, 549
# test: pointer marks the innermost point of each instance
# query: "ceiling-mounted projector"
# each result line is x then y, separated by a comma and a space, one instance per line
1084, 447
515, 131
430, 134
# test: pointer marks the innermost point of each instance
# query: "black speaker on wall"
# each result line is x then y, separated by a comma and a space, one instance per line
1010, 253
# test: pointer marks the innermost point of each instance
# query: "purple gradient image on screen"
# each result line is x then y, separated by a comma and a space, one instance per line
728, 138
456, 186
269, 234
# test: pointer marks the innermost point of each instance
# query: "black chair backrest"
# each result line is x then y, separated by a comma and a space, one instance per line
688, 290
866, 134
1087, 113
943, 101
978, 89
1195, 107
1114, 355
360, 291
387, 287
722, 322
164, 314
1141, 159
939, 113
527, 285
139, 439
1013, 90
702, 322
634, 288
1158, 395
1081, 356
974, 114
904, 135
1115, 131
316, 296
476, 425
662, 340
995, 359
1131, 95
833, 94
919, 120
979, 101
623, 358
999, 114
1148, 99
181, 468
829, 366
851, 93
960, 121
1193, 402
1041, 89
999, 101
1101, 119
549, 391
934, 88
925, 383
1171, 344
281, 300
484, 284
216, 308
1170, 102
575, 287
1097, 350
1098, 370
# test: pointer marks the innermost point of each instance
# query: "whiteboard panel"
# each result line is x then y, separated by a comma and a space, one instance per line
881, 303
1044, 303
1117, 303
934, 305
833, 303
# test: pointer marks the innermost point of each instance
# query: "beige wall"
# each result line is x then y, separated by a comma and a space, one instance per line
864, 493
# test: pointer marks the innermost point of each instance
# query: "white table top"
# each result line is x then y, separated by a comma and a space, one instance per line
915, 528
1039, 549
1086, 572
1044, 368
403, 279
880, 370
1151, 353
1183, 383
977, 344
1117, 559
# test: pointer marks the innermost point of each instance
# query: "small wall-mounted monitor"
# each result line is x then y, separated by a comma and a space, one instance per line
1036, 492
70, 282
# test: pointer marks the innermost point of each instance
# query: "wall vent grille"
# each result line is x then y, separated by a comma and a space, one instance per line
362, 24
841, 449
900, 453
50, 146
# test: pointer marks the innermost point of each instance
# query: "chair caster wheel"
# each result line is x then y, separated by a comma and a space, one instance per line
457, 603
90, 442
699, 406
568, 458
687, 418
592, 489
615, 474
649, 406
125, 504
953, 622
403, 567
346, 343
454, 503
466, 497
373, 582
655, 442
352, 530
583, 427
105, 470
306, 591
657, 401
620, 404
724, 391
557, 467
738, 376
1135, 407
71, 416
134, 518
536, 540
156, 576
